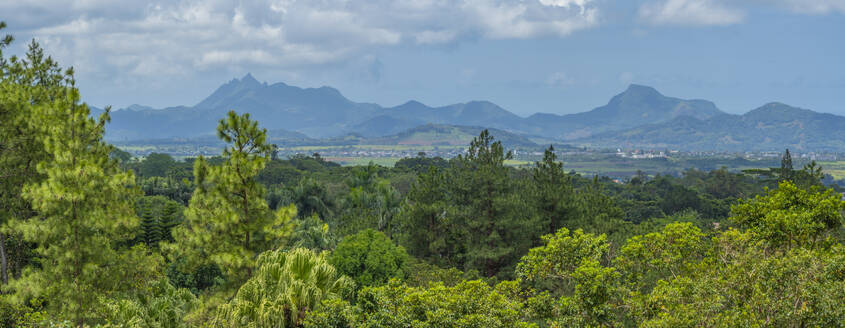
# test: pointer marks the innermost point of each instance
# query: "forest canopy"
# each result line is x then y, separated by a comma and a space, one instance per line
91, 237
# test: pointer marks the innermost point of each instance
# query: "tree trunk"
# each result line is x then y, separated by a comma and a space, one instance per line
4, 265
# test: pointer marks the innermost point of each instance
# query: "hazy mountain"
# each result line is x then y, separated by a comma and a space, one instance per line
640, 116
385, 125
444, 135
636, 106
317, 112
774, 126
325, 112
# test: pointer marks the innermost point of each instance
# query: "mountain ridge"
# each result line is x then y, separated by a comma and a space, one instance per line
771, 127
325, 112
640, 116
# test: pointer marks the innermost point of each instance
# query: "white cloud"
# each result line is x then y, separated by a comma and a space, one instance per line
690, 12
560, 80
814, 6
626, 78
179, 37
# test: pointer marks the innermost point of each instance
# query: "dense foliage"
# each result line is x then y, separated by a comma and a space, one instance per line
90, 236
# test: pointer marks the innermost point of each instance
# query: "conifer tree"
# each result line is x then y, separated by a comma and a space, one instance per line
84, 206
553, 195
170, 217
228, 221
150, 233
23, 83
786, 166
494, 221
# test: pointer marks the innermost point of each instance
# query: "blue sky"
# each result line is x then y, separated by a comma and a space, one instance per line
556, 56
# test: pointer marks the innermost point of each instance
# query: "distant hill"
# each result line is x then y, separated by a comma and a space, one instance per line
638, 105
314, 111
449, 135
424, 135
383, 125
772, 127
325, 112
640, 116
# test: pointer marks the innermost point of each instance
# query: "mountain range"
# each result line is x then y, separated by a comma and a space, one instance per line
638, 117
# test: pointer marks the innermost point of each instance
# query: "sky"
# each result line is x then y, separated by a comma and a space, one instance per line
551, 56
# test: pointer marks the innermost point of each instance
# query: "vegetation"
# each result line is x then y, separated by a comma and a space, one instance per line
94, 238
228, 222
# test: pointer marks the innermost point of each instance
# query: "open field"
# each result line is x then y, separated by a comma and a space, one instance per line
836, 169
355, 161
587, 162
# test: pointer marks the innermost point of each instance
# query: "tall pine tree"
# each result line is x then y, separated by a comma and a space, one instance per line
149, 233
228, 222
23, 83
84, 207
786, 169
552, 193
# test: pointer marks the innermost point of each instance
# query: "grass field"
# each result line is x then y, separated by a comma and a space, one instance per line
354, 161
836, 169
583, 162
311, 149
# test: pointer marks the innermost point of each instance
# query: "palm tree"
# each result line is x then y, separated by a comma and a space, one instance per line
286, 286
310, 198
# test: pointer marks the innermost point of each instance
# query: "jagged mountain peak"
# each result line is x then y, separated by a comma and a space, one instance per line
639, 115
249, 79
233, 88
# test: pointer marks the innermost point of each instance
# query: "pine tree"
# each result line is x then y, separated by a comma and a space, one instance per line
426, 221
171, 217
23, 84
553, 195
495, 222
228, 221
84, 206
150, 233
786, 169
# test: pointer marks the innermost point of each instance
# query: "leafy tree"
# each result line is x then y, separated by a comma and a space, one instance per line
156, 165
161, 306
776, 273
562, 254
311, 197
572, 261
228, 222
369, 257
672, 252
421, 163
743, 284
279, 172
372, 203
312, 233
790, 216
469, 304
285, 287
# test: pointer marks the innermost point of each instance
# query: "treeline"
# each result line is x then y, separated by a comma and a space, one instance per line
93, 237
